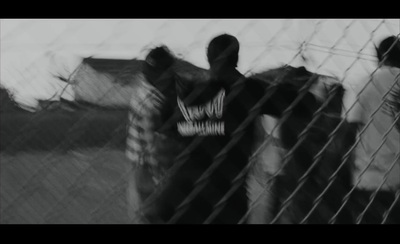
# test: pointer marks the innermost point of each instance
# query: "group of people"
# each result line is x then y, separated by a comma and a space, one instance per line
191, 142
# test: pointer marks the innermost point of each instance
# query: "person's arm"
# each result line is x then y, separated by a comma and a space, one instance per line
134, 146
353, 113
150, 112
144, 106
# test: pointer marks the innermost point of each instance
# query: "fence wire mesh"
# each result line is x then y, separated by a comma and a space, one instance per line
63, 155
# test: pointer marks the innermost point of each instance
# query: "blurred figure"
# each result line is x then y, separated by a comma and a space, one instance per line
146, 106
276, 181
374, 116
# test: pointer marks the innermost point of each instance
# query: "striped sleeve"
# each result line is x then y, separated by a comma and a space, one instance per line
144, 108
134, 146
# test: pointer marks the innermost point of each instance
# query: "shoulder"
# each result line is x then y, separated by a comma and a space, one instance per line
356, 101
255, 83
387, 75
145, 96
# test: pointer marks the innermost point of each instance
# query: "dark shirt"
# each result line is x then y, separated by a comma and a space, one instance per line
220, 111
216, 121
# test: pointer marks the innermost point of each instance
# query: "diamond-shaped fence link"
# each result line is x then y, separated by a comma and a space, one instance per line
63, 155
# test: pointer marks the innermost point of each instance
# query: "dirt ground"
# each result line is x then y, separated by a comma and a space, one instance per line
77, 187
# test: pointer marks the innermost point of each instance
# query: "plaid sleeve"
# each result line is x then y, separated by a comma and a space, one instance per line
134, 146
144, 107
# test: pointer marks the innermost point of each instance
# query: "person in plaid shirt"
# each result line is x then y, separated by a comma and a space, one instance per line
148, 101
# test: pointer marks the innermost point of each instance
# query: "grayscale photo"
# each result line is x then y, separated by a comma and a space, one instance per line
200, 121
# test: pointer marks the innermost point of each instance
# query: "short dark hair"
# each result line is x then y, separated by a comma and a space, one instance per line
225, 49
389, 47
160, 58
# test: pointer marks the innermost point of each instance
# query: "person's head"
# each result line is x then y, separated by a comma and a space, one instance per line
157, 64
223, 50
388, 51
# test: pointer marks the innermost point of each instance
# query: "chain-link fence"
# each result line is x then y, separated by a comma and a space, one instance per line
63, 156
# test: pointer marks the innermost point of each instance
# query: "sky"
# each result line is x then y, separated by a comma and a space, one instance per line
34, 51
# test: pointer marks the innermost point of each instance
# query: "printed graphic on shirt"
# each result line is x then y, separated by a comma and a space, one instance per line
203, 120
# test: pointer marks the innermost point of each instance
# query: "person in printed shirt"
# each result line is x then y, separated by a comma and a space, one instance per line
215, 120
148, 101
374, 116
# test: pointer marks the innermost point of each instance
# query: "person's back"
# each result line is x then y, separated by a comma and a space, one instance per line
376, 113
375, 102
